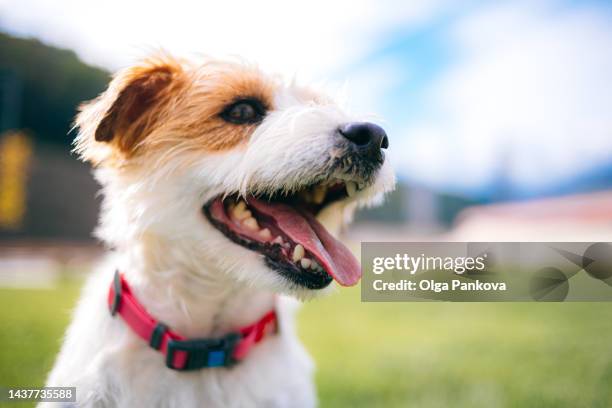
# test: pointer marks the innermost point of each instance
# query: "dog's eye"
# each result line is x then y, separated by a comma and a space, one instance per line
244, 111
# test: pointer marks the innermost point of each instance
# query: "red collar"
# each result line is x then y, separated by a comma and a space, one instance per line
182, 354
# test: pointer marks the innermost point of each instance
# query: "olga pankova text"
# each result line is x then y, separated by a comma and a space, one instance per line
433, 286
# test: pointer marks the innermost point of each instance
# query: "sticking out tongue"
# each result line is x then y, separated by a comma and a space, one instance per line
304, 229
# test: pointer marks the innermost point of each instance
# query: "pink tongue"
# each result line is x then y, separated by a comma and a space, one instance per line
303, 228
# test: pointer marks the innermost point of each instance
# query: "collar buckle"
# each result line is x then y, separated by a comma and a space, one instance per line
202, 353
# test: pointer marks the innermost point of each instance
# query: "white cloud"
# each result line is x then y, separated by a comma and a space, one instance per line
368, 86
309, 37
531, 83
532, 87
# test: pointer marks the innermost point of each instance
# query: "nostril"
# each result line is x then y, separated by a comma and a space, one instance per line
357, 133
385, 142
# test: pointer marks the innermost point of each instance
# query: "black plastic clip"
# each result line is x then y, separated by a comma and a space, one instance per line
157, 335
117, 294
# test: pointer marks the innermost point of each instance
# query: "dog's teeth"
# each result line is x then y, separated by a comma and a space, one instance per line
298, 253
241, 206
265, 233
318, 195
251, 223
315, 266
305, 262
240, 211
351, 188
243, 215
278, 240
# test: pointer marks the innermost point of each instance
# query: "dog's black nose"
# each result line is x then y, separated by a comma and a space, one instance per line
368, 137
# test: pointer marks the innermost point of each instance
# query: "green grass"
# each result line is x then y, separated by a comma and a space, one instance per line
32, 323
391, 354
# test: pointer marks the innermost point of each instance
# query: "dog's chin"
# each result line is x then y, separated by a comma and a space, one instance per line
283, 228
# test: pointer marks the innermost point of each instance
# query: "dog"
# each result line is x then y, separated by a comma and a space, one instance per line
222, 188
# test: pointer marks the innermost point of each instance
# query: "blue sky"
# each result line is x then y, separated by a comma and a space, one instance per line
468, 90
519, 90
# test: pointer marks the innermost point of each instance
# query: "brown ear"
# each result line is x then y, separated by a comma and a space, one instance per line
134, 109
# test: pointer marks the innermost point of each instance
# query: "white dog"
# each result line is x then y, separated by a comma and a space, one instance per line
217, 181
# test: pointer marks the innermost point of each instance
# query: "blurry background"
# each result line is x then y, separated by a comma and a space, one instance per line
500, 120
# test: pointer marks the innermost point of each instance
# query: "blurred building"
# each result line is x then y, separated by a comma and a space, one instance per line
571, 218
45, 195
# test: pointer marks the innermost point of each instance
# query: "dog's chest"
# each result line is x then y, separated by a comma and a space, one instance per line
277, 374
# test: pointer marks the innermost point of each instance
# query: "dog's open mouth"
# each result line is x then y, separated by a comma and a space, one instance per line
284, 230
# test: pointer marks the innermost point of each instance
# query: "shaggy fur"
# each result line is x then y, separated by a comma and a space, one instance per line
161, 151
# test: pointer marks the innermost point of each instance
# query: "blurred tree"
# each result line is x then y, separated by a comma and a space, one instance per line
46, 85
44, 192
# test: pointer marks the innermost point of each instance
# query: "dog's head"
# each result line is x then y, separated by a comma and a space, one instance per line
227, 171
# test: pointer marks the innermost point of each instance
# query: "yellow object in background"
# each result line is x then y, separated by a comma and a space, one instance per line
15, 155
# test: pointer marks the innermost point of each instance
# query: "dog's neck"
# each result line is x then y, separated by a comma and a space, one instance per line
176, 288
194, 302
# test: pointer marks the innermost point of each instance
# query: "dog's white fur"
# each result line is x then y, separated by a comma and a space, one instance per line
190, 276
